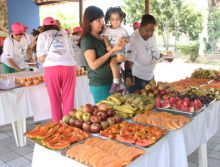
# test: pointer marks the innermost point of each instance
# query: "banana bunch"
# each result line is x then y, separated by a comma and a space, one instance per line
205, 73
124, 115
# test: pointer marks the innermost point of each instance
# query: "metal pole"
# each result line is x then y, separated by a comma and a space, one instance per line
80, 12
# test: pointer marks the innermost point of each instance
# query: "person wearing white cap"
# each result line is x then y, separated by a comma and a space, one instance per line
54, 50
15, 49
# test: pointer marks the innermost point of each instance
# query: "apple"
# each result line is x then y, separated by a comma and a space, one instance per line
156, 91
104, 124
88, 108
95, 119
152, 88
95, 128
147, 87
79, 123
72, 121
72, 113
66, 119
111, 121
118, 119
102, 115
95, 110
86, 126
110, 112
102, 107
79, 115
86, 116
161, 87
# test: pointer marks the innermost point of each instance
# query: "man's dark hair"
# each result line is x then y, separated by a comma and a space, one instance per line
148, 19
51, 27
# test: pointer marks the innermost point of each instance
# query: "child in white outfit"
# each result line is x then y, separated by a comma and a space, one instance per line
114, 34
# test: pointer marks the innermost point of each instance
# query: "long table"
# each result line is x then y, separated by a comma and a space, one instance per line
18, 104
170, 151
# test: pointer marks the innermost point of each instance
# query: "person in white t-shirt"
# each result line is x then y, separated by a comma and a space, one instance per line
78, 55
15, 50
54, 50
142, 55
112, 35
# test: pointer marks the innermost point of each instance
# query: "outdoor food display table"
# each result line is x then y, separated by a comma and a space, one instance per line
170, 151
18, 104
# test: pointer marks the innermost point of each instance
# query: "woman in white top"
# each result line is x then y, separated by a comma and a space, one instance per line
142, 55
54, 50
15, 50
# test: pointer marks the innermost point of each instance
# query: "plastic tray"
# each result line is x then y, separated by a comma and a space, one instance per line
63, 152
191, 114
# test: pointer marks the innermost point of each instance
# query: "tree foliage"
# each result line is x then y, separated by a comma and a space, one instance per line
214, 23
171, 15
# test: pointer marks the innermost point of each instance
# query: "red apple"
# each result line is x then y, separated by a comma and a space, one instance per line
102, 107
72, 121
78, 123
86, 126
102, 115
95, 128
111, 121
95, 111
104, 124
88, 108
118, 119
95, 119
110, 112
72, 113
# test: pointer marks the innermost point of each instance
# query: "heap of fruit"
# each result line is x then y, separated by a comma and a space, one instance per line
92, 118
205, 73
137, 134
204, 95
183, 84
100, 152
177, 103
127, 106
159, 89
162, 119
56, 136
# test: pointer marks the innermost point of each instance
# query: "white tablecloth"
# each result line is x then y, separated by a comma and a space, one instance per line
20, 103
170, 151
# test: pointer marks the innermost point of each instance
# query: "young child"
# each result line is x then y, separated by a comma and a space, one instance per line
114, 34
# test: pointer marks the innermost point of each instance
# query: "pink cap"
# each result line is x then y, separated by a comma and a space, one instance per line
17, 28
137, 24
77, 29
68, 31
25, 27
49, 21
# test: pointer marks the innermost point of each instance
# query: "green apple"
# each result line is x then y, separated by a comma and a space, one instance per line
86, 116
79, 115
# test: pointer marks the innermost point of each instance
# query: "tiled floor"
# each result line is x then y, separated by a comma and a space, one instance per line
12, 156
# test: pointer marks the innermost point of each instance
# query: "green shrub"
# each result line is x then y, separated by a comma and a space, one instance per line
190, 50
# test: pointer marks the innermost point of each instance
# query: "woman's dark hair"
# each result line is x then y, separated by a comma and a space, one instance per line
148, 19
35, 32
50, 27
91, 13
114, 10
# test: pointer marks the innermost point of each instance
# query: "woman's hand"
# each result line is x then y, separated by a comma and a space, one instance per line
118, 46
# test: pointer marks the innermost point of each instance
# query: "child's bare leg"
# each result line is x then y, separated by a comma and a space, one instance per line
115, 71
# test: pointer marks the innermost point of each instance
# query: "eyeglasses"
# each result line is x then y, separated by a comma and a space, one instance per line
19, 34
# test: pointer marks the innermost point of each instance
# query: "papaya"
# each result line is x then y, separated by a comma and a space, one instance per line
57, 146
145, 142
127, 139
50, 132
32, 134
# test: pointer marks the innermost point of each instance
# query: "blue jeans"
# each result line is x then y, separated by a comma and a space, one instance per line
139, 84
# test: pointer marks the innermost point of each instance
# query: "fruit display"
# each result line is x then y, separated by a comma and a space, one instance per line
56, 136
162, 119
25, 78
99, 152
132, 133
92, 118
159, 89
80, 71
205, 73
126, 106
183, 84
179, 104
204, 95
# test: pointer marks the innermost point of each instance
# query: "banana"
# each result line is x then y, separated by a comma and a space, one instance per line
123, 98
114, 99
148, 107
130, 107
124, 109
122, 114
136, 101
108, 102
